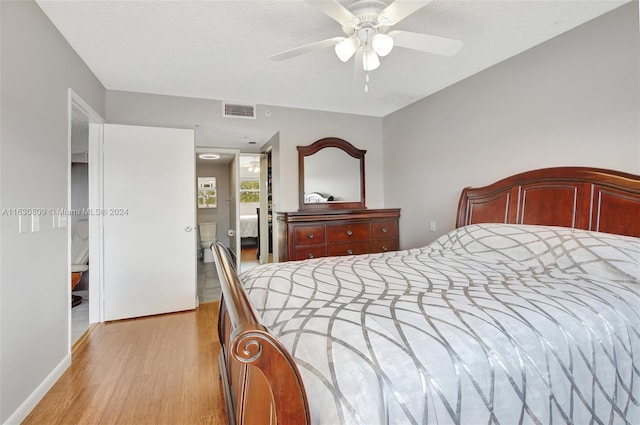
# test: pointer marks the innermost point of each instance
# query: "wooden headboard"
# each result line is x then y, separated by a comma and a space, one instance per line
579, 197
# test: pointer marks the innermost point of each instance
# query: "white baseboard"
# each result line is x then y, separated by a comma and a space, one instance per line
27, 406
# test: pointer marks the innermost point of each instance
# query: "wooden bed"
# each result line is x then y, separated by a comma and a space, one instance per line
260, 379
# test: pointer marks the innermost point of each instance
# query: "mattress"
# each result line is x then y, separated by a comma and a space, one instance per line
249, 226
489, 324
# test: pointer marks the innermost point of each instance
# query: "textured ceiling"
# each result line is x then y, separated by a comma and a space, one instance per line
220, 49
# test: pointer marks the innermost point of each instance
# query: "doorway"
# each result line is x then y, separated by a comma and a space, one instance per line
78, 220
84, 192
265, 216
250, 203
216, 213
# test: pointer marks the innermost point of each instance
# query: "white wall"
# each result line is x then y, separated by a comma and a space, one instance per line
37, 68
571, 101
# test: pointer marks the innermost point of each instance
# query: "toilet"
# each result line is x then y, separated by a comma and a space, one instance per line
207, 237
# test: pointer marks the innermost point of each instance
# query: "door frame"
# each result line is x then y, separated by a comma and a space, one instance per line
264, 207
96, 282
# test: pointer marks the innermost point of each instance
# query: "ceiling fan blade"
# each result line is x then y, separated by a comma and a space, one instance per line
400, 9
288, 54
426, 43
335, 11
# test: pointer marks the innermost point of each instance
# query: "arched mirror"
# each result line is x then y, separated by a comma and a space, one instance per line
331, 175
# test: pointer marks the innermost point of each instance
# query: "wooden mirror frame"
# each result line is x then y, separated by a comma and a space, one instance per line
330, 142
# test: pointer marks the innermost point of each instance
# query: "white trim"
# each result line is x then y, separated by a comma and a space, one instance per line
41, 390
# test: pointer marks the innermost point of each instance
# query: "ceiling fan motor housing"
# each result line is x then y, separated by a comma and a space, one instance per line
368, 13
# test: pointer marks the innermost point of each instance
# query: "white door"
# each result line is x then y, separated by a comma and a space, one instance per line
149, 222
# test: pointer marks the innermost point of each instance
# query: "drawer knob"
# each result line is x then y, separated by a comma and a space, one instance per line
349, 233
384, 230
310, 235
349, 251
385, 249
310, 255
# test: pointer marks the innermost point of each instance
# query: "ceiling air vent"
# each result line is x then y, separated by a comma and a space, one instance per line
235, 110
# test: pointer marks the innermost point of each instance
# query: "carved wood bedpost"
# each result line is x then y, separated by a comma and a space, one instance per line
261, 381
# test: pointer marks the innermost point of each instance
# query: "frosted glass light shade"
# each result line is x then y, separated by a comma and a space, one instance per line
346, 48
370, 60
382, 44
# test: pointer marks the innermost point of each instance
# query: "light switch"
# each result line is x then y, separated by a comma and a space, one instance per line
432, 226
35, 223
23, 223
63, 221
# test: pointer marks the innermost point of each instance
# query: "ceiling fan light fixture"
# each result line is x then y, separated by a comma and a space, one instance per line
370, 60
346, 48
382, 44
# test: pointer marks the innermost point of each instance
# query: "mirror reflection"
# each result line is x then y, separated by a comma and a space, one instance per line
331, 175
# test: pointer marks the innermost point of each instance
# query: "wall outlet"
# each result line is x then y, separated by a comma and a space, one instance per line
432, 226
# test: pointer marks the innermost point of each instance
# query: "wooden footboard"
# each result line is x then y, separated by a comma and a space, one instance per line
261, 382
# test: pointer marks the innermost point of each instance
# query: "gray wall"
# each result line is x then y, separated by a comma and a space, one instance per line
220, 214
570, 101
37, 68
295, 126
79, 191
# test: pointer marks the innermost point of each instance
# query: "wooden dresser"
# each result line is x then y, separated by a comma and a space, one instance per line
306, 234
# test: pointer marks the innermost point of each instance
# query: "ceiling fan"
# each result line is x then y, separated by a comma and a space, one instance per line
366, 24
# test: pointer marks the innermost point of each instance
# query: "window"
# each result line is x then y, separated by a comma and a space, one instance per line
249, 190
207, 195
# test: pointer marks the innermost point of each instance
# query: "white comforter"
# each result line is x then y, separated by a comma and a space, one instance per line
249, 226
490, 324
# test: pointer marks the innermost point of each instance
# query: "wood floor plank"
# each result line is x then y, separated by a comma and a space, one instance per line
153, 370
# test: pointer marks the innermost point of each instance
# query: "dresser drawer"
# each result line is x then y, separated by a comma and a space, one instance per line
384, 229
384, 245
347, 232
313, 234
309, 234
353, 248
312, 251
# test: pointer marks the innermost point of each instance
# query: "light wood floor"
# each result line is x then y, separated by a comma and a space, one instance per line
249, 254
155, 370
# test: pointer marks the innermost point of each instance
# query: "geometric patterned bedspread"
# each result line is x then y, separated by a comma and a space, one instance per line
489, 324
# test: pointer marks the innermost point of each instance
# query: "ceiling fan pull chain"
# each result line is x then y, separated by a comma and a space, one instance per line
366, 83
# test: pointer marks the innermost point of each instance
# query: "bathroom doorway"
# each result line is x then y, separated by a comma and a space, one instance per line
216, 213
